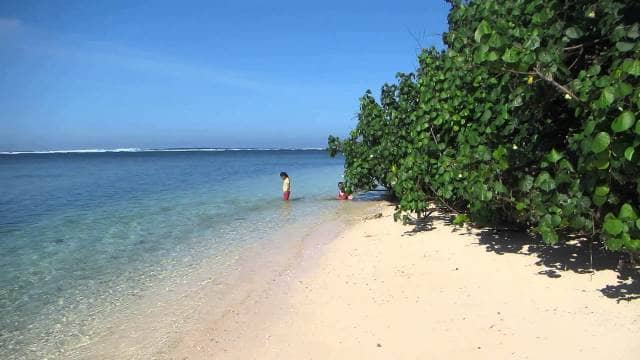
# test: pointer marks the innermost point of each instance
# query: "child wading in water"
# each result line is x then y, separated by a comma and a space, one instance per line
342, 194
286, 186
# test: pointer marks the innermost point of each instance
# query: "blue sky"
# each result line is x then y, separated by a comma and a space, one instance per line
107, 74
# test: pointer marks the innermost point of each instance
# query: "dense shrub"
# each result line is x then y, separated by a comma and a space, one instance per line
528, 117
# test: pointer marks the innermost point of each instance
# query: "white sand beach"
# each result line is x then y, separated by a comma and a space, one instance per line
383, 290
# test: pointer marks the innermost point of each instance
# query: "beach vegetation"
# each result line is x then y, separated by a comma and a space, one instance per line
528, 116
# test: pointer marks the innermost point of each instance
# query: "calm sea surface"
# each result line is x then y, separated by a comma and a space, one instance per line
81, 234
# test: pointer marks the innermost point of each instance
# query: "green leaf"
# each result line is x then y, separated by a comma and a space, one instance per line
637, 129
517, 101
480, 54
624, 46
483, 29
623, 89
510, 56
544, 56
532, 43
460, 219
623, 122
628, 152
603, 81
599, 200
602, 164
526, 183
600, 142
601, 190
549, 236
607, 97
614, 244
594, 70
634, 32
613, 226
554, 156
486, 195
545, 182
638, 224
499, 153
588, 128
573, 33
577, 222
627, 212
631, 67
632, 245
520, 206
485, 116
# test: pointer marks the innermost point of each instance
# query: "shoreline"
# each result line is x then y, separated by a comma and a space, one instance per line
383, 290
162, 318
264, 303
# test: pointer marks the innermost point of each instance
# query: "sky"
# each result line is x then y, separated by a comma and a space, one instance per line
78, 74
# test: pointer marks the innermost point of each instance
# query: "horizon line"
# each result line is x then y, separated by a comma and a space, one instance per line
168, 149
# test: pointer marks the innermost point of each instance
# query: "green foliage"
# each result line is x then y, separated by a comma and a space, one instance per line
528, 117
460, 219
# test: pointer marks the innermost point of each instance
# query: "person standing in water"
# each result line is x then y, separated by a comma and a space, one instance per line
342, 193
286, 186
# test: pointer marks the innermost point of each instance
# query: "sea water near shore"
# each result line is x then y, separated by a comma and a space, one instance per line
84, 235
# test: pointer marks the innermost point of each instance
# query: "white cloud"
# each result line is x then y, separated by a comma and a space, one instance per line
14, 32
10, 25
162, 65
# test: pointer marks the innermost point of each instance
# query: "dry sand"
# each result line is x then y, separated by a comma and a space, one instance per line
382, 290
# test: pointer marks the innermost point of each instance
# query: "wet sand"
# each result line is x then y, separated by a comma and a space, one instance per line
383, 290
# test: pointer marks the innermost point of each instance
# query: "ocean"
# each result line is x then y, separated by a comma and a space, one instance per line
89, 239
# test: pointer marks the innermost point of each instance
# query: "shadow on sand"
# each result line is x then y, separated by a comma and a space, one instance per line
582, 256
426, 223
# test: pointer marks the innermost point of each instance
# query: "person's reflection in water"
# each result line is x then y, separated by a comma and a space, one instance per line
285, 211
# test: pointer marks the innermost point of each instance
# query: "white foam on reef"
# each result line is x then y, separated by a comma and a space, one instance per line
126, 150
71, 151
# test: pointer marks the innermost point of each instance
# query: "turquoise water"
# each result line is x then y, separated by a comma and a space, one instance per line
82, 233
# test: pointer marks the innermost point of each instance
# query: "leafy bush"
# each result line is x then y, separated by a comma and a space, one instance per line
528, 117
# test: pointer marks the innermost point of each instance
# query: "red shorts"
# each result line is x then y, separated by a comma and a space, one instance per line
285, 195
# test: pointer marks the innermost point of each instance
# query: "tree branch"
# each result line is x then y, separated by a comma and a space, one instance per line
518, 72
583, 45
574, 47
556, 84
577, 58
433, 135
451, 208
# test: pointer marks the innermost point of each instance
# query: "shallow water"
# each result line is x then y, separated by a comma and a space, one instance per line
84, 235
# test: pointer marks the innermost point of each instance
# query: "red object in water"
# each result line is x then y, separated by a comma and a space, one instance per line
285, 195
